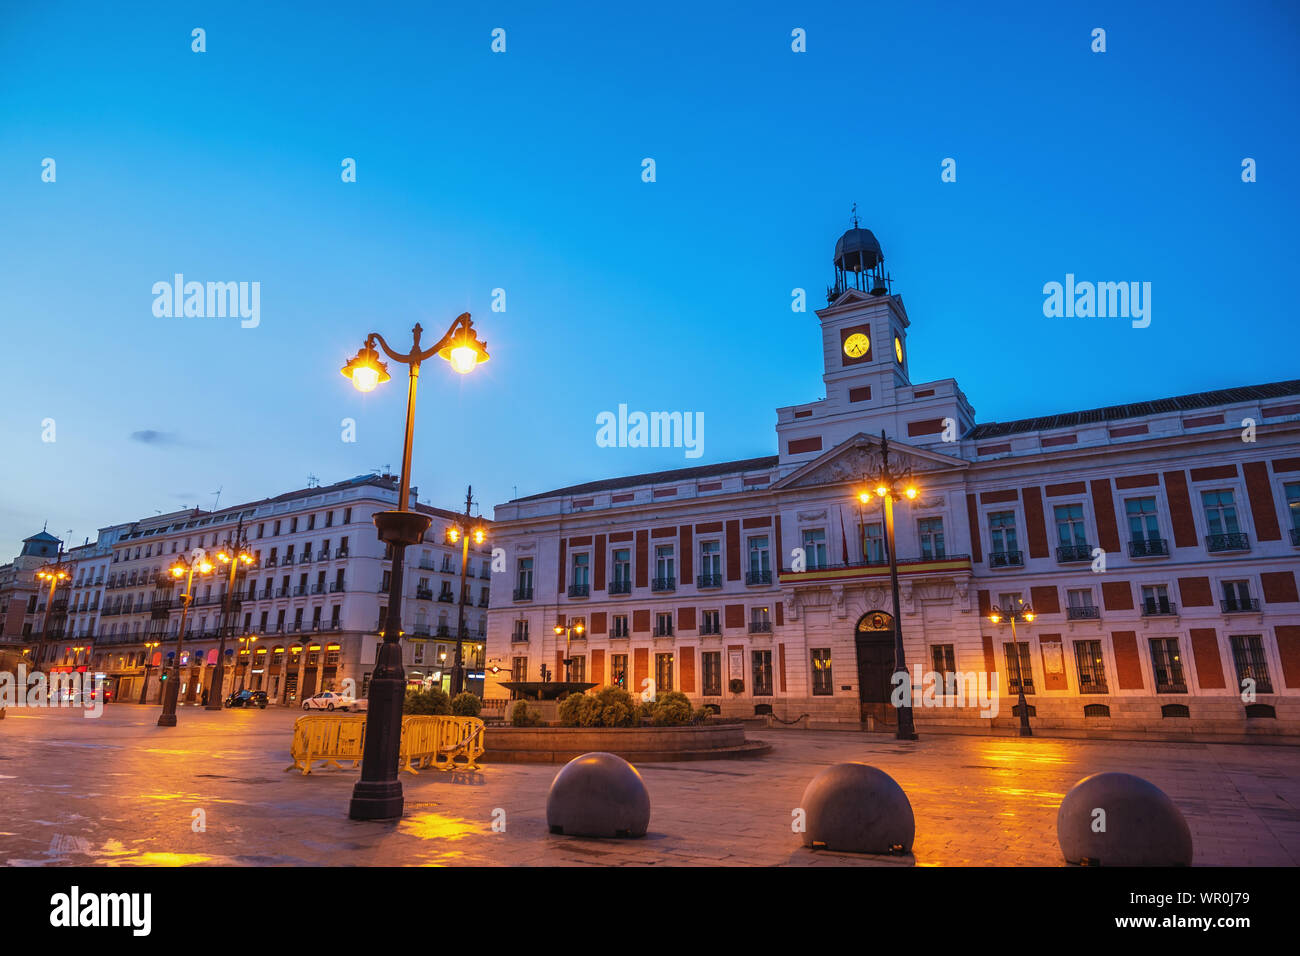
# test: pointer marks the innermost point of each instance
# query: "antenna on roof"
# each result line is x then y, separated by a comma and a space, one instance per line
313, 481
217, 498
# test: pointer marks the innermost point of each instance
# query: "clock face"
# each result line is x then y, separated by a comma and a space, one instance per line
898, 349
857, 345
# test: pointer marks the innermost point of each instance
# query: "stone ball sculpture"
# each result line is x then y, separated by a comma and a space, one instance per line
1118, 819
856, 808
598, 795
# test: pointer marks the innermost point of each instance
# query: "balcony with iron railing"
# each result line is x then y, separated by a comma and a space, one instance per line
1086, 612
760, 627
446, 597
523, 594
519, 635
758, 577
1006, 559
1239, 605
427, 565
337, 586
1221, 543
579, 590
620, 586
1148, 548
423, 594
663, 630
708, 581
663, 584
710, 630
1159, 607
1073, 553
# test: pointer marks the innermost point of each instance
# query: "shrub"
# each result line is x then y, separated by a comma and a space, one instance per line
644, 712
671, 709
431, 701
701, 715
466, 704
524, 716
615, 707
575, 710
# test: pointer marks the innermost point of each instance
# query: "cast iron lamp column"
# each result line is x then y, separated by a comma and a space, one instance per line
378, 794
148, 662
887, 483
1021, 612
55, 573
464, 528
237, 555
568, 630
181, 569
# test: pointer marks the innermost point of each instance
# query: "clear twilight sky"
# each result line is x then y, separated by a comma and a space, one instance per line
522, 171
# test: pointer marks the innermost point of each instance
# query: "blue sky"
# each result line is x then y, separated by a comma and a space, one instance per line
522, 171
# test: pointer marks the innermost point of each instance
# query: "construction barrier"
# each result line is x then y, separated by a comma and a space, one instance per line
427, 740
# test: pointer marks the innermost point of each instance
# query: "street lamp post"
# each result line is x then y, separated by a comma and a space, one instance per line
463, 529
55, 573
148, 662
568, 630
888, 485
1020, 612
238, 557
378, 794
198, 562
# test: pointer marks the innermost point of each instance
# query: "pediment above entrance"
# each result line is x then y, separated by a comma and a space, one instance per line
861, 455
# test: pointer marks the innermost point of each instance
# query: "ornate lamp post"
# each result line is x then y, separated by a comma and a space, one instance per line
55, 573
198, 563
463, 529
1011, 614
888, 484
568, 630
378, 794
237, 557
148, 662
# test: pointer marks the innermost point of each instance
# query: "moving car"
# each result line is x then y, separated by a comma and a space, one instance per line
332, 700
247, 698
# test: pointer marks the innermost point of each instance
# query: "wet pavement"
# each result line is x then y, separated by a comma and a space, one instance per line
118, 790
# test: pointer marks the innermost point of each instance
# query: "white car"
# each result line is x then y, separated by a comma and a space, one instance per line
329, 700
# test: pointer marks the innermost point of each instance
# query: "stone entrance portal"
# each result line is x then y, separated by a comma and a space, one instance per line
874, 643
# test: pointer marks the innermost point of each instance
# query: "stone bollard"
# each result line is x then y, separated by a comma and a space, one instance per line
1118, 819
855, 808
598, 795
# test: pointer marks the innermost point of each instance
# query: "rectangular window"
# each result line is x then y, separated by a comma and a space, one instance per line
1143, 525
814, 548
1155, 599
663, 673
762, 661
618, 670
759, 558
711, 662
711, 561
1236, 596
619, 627
524, 578
665, 567
1168, 666
621, 566
663, 624
873, 543
760, 621
822, 683
1248, 656
578, 667
710, 623
930, 531
944, 661
1019, 667
1292, 490
1092, 669
580, 580
1069, 526
1220, 512
1002, 531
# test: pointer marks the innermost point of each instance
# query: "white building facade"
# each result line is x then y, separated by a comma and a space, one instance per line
1156, 542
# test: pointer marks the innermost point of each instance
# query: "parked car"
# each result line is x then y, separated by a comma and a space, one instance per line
247, 698
332, 700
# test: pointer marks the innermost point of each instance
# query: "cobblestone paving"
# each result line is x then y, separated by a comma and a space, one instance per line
120, 791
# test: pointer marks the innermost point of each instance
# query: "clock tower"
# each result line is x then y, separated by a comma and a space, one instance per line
866, 365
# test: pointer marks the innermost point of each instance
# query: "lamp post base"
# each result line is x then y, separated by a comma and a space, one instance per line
376, 800
166, 720
215, 700
378, 794
170, 695
906, 728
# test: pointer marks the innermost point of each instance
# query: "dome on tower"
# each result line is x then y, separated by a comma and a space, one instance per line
858, 250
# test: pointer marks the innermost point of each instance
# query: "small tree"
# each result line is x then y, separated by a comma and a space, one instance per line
671, 709
521, 715
466, 704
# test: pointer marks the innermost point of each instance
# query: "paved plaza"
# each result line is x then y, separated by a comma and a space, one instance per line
119, 791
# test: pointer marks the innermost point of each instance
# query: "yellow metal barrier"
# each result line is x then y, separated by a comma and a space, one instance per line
427, 740
327, 737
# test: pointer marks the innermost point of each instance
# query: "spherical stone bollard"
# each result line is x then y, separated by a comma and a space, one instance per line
855, 808
1117, 819
598, 795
